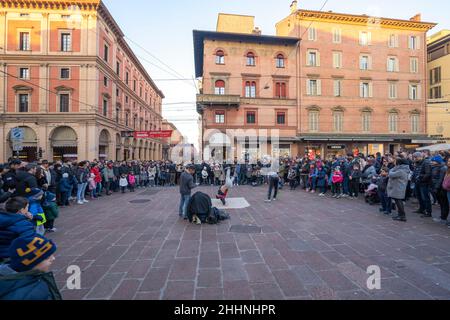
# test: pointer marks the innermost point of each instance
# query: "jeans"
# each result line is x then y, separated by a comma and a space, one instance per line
312, 183
99, 189
441, 196
346, 185
184, 201
81, 191
423, 194
274, 183
386, 202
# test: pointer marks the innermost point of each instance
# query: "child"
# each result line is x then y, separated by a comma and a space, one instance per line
205, 176
355, 180
34, 197
92, 185
14, 223
27, 275
123, 182
152, 175
322, 181
312, 179
51, 211
337, 180
222, 194
131, 181
64, 188
292, 177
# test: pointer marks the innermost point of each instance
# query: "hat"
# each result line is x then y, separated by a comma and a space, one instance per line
27, 253
34, 193
437, 159
15, 162
417, 155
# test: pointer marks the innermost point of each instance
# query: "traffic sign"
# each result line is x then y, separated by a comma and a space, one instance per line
17, 146
17, 134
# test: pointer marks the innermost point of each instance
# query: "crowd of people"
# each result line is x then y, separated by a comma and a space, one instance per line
33, 193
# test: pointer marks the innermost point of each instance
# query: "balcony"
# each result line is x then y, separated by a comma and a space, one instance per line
211, 100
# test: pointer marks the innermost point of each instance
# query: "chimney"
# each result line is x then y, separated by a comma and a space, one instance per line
257, 31
417, 18
294, 6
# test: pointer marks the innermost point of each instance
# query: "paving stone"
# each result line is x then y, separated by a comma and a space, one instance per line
155, 279
266, 291
233, 270
184, 269
289, 283
126, 290
258, 273
237, 290
209, 260
179, 290
208, 294
139, 269
106, 286
229, 251
209, 278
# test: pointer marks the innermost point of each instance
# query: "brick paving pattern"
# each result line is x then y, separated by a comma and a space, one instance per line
309, 248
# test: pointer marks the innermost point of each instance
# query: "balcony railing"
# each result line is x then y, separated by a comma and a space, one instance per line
215, 99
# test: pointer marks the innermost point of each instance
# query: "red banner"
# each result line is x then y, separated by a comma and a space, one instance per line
153, 134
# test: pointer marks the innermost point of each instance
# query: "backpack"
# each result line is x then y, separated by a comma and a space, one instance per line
216, 215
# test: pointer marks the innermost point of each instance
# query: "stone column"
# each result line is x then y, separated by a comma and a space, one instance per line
3, 32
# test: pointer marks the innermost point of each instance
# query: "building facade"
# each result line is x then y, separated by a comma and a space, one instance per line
439, 86
341, 83
170, 143
69, 79
362, 81
248, 89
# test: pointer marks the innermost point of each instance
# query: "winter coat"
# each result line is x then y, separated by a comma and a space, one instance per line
382, 184
35, 208
398, 182
25, 180
82, 175
422, 173
321, 178
337, 178
50, 207
123, 182
131, 180
96, 172
369, 173
356, 175
13, 226
31, 285
438, 173
64, 185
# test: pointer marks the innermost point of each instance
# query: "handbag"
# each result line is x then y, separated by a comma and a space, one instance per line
446, 183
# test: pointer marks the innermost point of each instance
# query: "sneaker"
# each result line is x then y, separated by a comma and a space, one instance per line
86, 201
274, 199
268, 201
51, 230
314, 191
80, 202
334, 195
399, 218
322, 195
339, 196
438, 220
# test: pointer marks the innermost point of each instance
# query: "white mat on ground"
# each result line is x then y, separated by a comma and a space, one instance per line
231, 203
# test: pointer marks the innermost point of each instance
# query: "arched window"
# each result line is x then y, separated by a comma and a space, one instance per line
220, 57
393, 121
280, 61
250, 89
219, 87
251, 60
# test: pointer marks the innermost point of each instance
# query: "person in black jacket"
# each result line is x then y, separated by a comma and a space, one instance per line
26, 179
9, 178
438, 172
423, 183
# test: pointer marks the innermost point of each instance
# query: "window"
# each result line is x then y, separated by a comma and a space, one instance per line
436, 93
280, 90
338, 121
126, 99
365, 38
117, 114
393, 41
337, 35
251, 61
106, 53
414, 65
366, 121
134, 85
127, 77
219, 87
23, 102
313, 87
393, 122
392, 64
24, 41
365, 62
65, 16
140, 92
312, 33
105, 107
393, 90
338, 88
337, 60
281, 118
414, 43
280, 61
65, 73
251, 117
64, 102
435, 75
127, 119
220, 57
313, 59
220, 117
313, 120
24, 73
105, 81
366, 90
117, 92
415, 123
250, 89
118, 68
414, 92
66, 42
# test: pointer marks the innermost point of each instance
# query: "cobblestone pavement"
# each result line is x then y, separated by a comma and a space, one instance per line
308, 248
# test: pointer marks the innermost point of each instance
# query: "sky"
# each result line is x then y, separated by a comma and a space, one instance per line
160, 33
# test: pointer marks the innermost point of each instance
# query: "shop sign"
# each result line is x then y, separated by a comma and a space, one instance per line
336, 147
153, 134
127, 134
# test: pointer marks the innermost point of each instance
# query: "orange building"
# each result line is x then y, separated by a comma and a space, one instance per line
69, 79
352, 83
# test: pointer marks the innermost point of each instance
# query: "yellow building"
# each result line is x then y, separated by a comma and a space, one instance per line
439, 86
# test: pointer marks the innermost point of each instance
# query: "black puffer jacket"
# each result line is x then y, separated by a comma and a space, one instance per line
201, 205
422, 173
438, 173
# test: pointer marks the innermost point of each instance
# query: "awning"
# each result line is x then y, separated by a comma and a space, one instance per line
64, 137
436, 148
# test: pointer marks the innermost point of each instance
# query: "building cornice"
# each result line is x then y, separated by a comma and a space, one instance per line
50, 4
364, 20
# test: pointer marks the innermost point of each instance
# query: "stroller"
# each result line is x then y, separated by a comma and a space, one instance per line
371, 194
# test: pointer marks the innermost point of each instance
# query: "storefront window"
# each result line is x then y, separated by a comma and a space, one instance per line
373, 149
